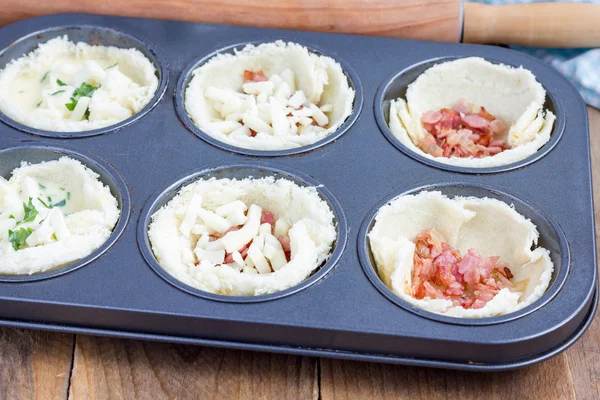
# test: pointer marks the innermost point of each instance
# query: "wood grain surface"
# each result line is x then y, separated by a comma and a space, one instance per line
44, 365
414, 19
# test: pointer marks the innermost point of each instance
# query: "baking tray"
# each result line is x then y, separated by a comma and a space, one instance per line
342, 310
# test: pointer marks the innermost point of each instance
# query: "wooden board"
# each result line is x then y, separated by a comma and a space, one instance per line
35, 364
112, 368
46, 365
413, 19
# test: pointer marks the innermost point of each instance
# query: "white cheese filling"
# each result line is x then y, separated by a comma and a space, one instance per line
243, 237
52, 214
67, 87
298, 99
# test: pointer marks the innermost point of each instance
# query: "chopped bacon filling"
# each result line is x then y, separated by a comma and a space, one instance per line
250, 76
440, 272
466, 130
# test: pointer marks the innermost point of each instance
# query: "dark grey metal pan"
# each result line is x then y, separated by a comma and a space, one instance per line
339, 312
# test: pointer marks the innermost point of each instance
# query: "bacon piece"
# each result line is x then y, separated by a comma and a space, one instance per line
432, 291
475, 121
485, 114
250, 76
440, 272
443, 264
466, 130
455, 289
498, 127
462, 106
450, 120
267, 218
469, 267
285, 244
431, 117
429, 145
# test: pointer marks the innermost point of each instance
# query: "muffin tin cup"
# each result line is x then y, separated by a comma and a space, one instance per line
338, 311
12, 157
551, 238
93, 35
395, 86
187, 75
241, 171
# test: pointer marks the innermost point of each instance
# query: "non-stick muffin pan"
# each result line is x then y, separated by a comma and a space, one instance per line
343, 310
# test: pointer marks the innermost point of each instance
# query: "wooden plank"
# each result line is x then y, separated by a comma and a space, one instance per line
34, 364
106, 368
584, 356
415, 19
356, 380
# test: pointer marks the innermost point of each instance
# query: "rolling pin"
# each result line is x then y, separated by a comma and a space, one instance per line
539, 24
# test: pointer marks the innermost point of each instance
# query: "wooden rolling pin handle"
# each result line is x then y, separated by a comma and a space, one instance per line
538, 24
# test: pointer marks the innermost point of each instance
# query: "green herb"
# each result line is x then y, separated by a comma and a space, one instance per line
60, 203
30, 212
114, 65
85, 90
62, 188
41, 186
38, 104
18, 238
11, 216
57, 92
54, 236
49, 199
44, 203
60, 83
71, 106
44, 76
68, 195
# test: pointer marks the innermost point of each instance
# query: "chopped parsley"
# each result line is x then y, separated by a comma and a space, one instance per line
41, 186
60, 83
85, 90
112, 66
11, 216
57, 92
71, 106
44, 203
60, 203
39, 104
17, 238
86, 114
54, 236
30, 212
62, 188
44, 76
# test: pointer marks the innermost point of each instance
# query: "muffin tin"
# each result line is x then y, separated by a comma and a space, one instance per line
342, 310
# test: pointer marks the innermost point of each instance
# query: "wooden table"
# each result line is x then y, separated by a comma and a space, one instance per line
44, 365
